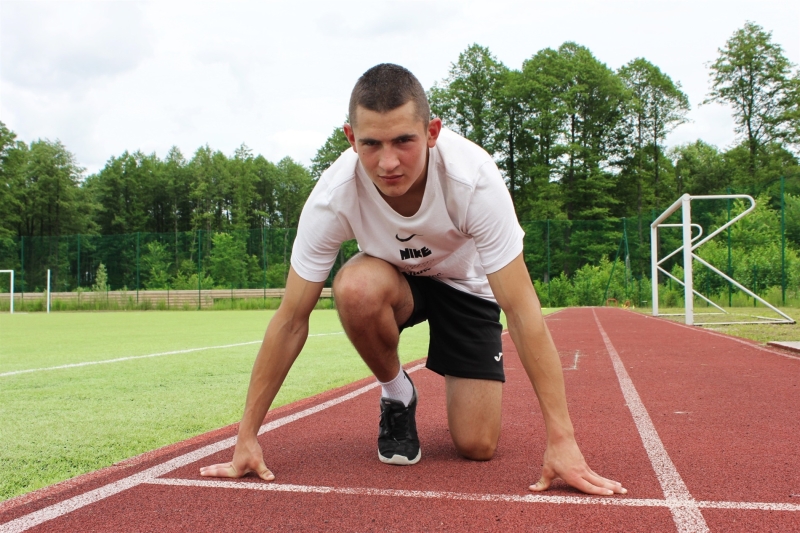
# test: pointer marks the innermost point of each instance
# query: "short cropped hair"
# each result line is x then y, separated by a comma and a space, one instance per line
386, 87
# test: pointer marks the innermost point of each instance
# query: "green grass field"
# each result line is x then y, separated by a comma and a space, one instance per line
60, 423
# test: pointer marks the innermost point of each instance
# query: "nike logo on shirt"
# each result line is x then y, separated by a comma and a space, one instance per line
498, 356
406, 239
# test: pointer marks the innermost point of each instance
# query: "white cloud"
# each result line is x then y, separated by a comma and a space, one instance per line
56, 46
104, 77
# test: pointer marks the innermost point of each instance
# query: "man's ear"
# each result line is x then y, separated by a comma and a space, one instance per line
434, 129
351, 137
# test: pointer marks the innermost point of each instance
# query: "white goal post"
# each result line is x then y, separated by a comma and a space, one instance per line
11, 288
690, 244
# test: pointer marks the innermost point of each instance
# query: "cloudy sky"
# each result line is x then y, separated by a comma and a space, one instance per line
109, 76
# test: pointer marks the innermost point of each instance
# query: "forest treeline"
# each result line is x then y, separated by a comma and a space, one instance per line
574, 139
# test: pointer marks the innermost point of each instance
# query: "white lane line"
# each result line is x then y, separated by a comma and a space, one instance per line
685, 512
131, 358
528, 498
76, 502
446, 495
575, 362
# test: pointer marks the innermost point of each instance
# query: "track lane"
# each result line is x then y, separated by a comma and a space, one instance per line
726, 411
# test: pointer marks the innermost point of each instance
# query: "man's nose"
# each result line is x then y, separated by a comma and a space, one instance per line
389, 160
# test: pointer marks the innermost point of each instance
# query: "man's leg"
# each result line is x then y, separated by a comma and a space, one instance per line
373, 300
473, 415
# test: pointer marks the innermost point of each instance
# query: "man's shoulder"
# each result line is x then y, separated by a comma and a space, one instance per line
462, 160
341, 172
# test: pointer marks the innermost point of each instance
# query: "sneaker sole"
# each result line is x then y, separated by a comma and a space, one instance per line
400, 459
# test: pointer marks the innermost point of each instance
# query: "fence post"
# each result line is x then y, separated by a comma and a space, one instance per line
22, 264
264, 253
549, 301
627, 254
730, 267
199, 267
137, 267
783, 241
688, 281
79, 261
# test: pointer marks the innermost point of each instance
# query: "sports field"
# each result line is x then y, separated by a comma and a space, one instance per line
681, 415
61, 422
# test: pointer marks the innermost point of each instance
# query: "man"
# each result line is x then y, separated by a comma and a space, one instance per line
440, 242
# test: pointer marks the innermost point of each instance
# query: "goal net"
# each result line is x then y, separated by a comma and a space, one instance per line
689, 244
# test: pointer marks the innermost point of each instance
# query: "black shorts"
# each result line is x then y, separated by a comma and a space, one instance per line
465, 330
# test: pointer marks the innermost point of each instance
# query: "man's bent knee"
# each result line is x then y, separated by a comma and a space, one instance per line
366, 285
477, 449
361, 282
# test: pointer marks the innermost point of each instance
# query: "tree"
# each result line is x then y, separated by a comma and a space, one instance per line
12, 162
334, 146
700, 169
510, 134
594, 102
753, 76
656, 107
293, 185
266, 176
540, 90
122, 191
156, 263
100, 279
229, 260
466, 100
210, 189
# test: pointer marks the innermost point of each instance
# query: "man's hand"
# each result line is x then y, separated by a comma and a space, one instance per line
247, 457
285, 336
565, 461
514, 291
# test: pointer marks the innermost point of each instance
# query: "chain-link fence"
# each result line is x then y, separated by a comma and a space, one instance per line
571, 262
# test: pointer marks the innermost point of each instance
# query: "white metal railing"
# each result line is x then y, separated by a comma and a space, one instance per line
690, 244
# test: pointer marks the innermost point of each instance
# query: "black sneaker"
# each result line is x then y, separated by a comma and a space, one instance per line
398, 443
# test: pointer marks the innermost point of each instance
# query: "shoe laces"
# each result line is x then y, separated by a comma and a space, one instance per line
395, 421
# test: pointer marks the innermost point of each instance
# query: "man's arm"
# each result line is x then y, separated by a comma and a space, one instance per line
514, 292
286, 334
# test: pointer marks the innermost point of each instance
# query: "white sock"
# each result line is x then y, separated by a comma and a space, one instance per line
400, 388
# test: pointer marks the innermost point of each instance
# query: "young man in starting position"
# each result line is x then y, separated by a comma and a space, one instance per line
439, 241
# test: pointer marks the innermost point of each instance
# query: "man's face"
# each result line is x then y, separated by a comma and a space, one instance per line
393, 146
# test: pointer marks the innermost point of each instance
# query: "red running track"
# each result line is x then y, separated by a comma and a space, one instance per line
703, 430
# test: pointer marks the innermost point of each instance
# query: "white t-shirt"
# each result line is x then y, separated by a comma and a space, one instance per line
465, 228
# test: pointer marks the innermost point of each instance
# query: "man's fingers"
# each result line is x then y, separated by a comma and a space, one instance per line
544, 482
264, 473
229, 470
599, 481
591, 483
220, 470
588, 482
589, 488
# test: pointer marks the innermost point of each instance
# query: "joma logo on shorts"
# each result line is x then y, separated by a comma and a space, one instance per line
413, 253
